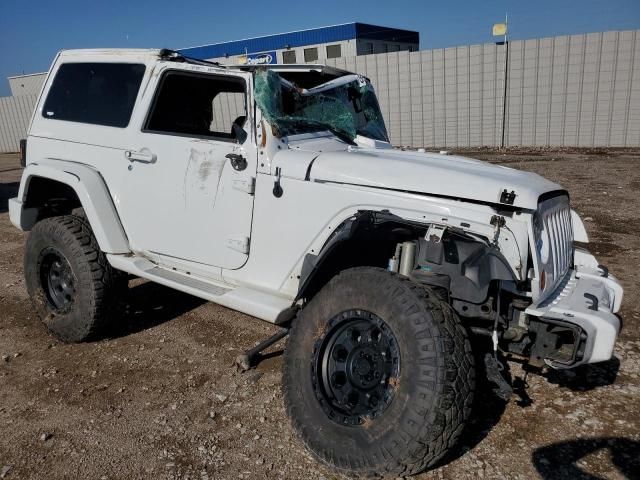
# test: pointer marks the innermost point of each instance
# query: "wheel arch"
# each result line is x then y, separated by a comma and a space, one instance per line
346, 247
369, 238
57, 188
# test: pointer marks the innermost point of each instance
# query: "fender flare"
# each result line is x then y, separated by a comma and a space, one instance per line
92, 192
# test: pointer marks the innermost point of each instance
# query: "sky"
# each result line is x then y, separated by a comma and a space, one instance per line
32, 31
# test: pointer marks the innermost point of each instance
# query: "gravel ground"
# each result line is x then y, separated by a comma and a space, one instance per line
161, 399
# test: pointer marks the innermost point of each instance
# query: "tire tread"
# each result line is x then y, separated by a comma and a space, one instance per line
424, 445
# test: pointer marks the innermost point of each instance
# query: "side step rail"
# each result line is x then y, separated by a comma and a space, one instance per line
263, 305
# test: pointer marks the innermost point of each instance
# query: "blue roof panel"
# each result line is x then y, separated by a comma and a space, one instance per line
335, 33
375, 32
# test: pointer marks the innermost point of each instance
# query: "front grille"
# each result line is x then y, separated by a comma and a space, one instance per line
558, 223
555, 214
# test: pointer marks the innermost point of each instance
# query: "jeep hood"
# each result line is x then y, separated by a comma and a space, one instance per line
434, 174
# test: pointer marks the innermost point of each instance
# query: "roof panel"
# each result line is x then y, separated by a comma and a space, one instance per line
376, 32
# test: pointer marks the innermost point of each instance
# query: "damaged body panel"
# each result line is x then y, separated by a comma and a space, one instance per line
474, 260
432, 174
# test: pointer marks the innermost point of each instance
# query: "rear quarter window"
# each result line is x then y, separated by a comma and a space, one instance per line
95, 93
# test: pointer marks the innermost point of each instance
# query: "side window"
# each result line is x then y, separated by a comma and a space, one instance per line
96, 93
333, 51
310, 54
289, 56
198, 105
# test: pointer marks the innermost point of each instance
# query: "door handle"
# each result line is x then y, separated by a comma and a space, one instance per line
277, 188
143, 156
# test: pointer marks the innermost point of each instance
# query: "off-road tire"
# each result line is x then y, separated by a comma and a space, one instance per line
434, 391
99, 289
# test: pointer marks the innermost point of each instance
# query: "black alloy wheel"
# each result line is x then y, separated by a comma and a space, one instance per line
355, 367
57, 280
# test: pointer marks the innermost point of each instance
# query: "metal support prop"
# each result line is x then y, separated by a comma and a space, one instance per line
505, 81
248, 359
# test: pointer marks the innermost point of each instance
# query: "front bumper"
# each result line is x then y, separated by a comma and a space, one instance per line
590, 298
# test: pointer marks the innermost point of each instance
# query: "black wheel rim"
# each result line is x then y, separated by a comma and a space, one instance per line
57, 280
356, 367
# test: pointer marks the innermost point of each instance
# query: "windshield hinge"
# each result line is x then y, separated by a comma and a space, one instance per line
435, 233
507, 197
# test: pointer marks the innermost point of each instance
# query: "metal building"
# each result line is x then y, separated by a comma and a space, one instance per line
314, 45
30, 84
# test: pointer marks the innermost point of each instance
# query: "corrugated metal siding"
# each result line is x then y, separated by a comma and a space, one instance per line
441, 97
15, 114
27, 84
578, 90
227, 107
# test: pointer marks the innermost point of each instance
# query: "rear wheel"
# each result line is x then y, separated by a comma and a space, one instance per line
72, 286
378, 374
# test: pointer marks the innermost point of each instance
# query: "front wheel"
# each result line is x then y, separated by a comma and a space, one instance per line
378, 374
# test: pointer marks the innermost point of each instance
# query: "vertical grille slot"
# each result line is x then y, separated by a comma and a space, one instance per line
556, 218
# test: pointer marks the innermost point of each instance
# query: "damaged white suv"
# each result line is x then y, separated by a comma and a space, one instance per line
274, 191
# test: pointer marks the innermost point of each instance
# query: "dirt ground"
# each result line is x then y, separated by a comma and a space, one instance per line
160, 398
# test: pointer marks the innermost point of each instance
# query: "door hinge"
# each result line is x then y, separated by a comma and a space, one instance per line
246, 185
238, 243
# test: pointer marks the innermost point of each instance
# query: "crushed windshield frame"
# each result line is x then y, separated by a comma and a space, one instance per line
346, 106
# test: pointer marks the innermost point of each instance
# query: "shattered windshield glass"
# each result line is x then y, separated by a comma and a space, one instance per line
347, 106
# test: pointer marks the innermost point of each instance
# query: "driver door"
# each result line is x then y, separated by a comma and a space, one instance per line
189, 179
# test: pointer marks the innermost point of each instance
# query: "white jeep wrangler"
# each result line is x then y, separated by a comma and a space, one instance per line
274, 191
